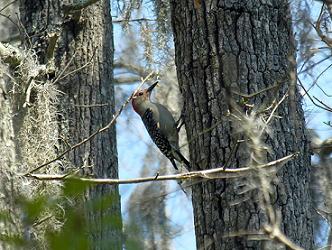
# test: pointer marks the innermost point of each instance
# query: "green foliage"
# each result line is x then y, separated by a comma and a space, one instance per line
14, 240
73, 234
69, 210
74, 187
33, 208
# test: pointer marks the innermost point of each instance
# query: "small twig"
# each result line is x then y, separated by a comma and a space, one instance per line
317, 78
272, 112
78, 69
37, 223
258, 92
258, 235
134, 20
216, 173
275, 233
202, 133
327, 40
115, 116
327, 108
327, 247
92, 105
325, 93
233, 151
275, 108
65, 68
22, 27
126, 80
28, 93
314, 65
7, 5
60, 77
132, 68
16, 25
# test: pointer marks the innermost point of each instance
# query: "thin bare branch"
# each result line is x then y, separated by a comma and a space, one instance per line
132, 68
258, 92
78, 69
16, 25
274, 232
275, 108
327, 40
325, 93
317, 78
41, 221
313, 65
216, 173
25, 32
325, 107
204, 132
7, 5
126, 80
28, 92
272, 113
134, 20
92, 105
65, 68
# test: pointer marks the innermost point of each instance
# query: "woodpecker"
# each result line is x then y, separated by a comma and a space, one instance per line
160, 125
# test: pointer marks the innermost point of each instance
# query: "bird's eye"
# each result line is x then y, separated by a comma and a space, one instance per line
140, 93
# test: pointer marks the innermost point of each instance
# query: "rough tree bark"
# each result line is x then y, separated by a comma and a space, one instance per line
83, 44
8, 157
245, 46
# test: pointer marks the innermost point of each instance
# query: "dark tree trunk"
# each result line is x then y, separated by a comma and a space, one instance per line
244, 46
84, 48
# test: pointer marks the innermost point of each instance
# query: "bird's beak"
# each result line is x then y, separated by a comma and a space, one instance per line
152, 86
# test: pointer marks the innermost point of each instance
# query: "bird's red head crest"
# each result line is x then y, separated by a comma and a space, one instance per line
142, 96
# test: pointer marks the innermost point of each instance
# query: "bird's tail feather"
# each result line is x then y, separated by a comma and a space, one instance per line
182, 158
174, 164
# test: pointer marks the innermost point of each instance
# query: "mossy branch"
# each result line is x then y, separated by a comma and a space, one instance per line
10, 54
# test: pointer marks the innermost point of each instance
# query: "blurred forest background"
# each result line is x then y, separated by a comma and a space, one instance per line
37, 62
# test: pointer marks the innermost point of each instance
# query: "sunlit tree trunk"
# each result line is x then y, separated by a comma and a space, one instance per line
10, 223
243, 46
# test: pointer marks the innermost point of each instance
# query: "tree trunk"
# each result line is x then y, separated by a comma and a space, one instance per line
8, 29
84, 52
244, 46
7, 163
